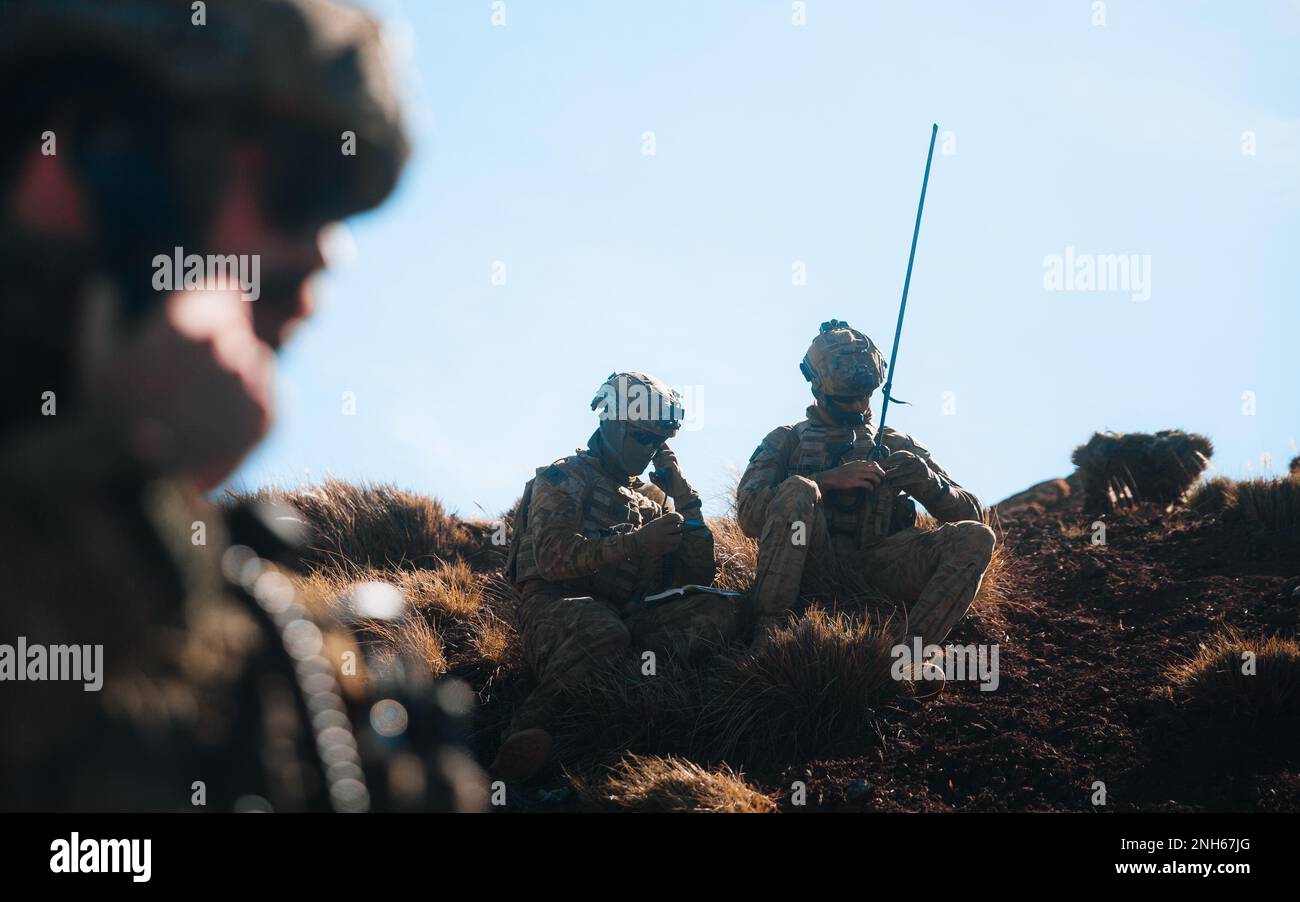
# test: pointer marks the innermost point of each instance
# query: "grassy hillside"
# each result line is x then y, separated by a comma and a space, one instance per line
1114, 662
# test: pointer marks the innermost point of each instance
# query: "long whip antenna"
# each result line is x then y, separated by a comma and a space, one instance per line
902, 308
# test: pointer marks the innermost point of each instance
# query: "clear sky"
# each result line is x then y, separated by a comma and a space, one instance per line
1171, 134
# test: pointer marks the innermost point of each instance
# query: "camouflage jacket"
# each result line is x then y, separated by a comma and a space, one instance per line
817, 444
578, 534
198, 705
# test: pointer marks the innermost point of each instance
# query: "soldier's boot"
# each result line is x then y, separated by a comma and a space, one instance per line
928, 680
522, 755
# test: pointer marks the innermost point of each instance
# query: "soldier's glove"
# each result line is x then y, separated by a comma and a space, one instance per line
660, 537
856, 474
910, 473
667, 475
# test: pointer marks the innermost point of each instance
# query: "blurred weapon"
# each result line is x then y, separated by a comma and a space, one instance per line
401, 747
880, 452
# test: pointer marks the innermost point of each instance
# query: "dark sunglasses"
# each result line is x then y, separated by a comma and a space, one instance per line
647, 439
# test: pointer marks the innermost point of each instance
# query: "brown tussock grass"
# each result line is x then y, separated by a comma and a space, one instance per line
736, 555
1270, 503
1212, 681
454, 618
457, 591
495, 642
372, 525
1211, 496
1266, 502
1122, 469
672, 784
620, 710
816, 682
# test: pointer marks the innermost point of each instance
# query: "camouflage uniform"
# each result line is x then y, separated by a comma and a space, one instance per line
212, 671
580, 571
809, 539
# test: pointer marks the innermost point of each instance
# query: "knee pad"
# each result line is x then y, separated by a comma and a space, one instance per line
975, 539
797, 494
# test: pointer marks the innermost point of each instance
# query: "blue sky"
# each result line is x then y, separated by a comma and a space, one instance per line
778, 146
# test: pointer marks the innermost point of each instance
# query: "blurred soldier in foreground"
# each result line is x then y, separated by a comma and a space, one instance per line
591, 541
136, 132
820, 507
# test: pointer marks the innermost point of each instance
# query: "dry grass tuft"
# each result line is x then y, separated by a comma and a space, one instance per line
814, 684
411, 636
457, 590
1270, 503
620, 710
1212, 496
370, 525
736, 554
1213, 681
455, 620
495, 642
995, 588
654, 783
1122, 469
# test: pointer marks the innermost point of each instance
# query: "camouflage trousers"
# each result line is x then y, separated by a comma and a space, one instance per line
567, 639
933, 573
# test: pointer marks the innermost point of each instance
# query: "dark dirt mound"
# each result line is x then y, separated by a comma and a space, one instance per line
1084, 646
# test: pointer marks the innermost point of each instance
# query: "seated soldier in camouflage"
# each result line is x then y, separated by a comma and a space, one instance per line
820, 507
590, 541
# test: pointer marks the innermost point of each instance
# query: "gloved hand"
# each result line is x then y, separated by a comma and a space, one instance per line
856, 474
667, 475
910, 473
661, 536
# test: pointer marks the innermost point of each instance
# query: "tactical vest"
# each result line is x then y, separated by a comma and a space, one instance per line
608, 509
865, 518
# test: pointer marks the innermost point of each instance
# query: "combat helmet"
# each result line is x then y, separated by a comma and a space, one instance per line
316, 64
842, 362
641, 399
638, 413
